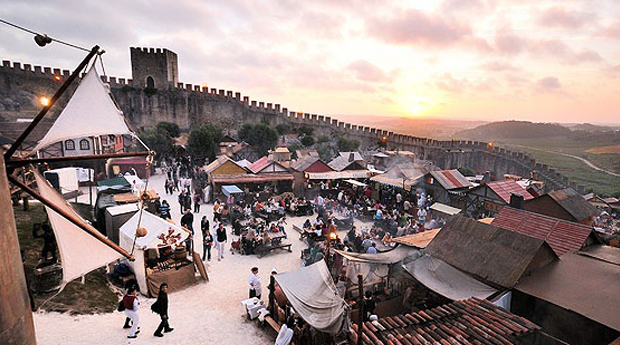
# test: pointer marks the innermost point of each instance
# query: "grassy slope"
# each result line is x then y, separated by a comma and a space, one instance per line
576, 170
93, 297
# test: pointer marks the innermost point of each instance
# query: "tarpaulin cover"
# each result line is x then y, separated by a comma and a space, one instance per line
231, 189
90, 112
312, 293
446, 280
80, 252
389, 257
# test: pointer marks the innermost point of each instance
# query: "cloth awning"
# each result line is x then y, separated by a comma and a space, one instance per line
393, 182
356, 183
80, 252
90, 112
160, 232
313, 295
446, 280
389, 257
339, 175
443, 208
231, 189
250, 178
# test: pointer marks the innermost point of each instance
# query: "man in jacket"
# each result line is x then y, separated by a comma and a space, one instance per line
221, 238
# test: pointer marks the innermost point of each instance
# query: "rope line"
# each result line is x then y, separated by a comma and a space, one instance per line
36, 33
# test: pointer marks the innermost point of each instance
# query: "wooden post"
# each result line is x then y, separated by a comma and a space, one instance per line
272, 297
360, 321
16, 325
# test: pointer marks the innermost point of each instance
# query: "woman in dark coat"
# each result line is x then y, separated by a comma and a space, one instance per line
161, 307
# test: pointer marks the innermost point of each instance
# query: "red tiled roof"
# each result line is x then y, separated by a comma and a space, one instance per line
563, 236
507, 187
259, 165
471, 321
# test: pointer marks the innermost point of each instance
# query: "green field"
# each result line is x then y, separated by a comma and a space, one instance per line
543, 150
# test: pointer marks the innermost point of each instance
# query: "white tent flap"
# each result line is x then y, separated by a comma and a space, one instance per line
388, 257
446, 280
80, 252
312, 293
90, 112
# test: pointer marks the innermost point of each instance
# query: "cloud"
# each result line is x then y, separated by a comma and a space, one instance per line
507, 42
366, 71
415, 27
550, 84
564, 18
498, 66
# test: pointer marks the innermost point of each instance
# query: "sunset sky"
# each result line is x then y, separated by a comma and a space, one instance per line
552, 61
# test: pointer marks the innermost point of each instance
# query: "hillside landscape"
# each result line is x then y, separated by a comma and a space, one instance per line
562, 147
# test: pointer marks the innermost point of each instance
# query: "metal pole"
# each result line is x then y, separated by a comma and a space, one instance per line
90, 186
70, 217
43, 111
22, 162
16, 325
360, 321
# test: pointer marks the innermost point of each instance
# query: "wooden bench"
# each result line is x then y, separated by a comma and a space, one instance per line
262, 250
269, 320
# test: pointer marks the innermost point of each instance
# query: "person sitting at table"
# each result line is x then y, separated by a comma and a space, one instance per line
258, 207
281, 224
387, 239
307, 225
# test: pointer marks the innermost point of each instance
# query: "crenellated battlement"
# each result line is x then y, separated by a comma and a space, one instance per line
188, 104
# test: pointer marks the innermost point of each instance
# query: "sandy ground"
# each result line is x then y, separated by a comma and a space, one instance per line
208, 313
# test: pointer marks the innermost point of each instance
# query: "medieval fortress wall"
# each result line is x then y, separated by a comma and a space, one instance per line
155, 94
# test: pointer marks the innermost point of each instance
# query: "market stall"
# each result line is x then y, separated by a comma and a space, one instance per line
160, 255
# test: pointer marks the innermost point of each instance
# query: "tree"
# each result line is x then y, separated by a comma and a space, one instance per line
172, 128
204, 142
305, 130
346, 144
322, 139
326, 152
307, 140
262, 137
158, 140
283, 129
293, 149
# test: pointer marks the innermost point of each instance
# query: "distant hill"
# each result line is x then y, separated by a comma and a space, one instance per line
514, 130
588, 127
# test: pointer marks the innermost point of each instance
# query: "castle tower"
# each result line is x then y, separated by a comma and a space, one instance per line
154, 68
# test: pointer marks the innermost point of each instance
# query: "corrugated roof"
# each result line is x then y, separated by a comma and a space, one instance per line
356, 155
506, 188
563, 236
419, 240
580, 284
573, 203
451, 179
443, 208
491, 253
340, 163
602, 252
305, 163
259, 165
471, 321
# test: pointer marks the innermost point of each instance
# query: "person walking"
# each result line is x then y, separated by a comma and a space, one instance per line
207, 239
131, 303
187, 221
181, 199
197, 201
255, 285
161, 307
221, 238
164, 210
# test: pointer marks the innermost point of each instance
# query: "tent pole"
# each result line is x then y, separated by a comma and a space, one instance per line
69, 217
360, 321
22, 162
39, 117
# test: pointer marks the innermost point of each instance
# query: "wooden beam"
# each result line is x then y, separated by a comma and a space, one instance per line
22, 162
76, 221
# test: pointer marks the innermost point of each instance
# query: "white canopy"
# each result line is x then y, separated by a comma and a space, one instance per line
156, 228
312, 293
90, 112
446, 280
80, 252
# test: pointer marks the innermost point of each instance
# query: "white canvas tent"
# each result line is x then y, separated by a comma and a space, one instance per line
90, 112
312, 293
80, 252
375, 267
155, 226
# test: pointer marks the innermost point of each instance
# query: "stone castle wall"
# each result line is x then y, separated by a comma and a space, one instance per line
189, 105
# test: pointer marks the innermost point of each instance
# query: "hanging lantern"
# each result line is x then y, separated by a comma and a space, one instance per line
141, 232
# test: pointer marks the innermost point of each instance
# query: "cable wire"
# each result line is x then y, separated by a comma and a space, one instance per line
36, 33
